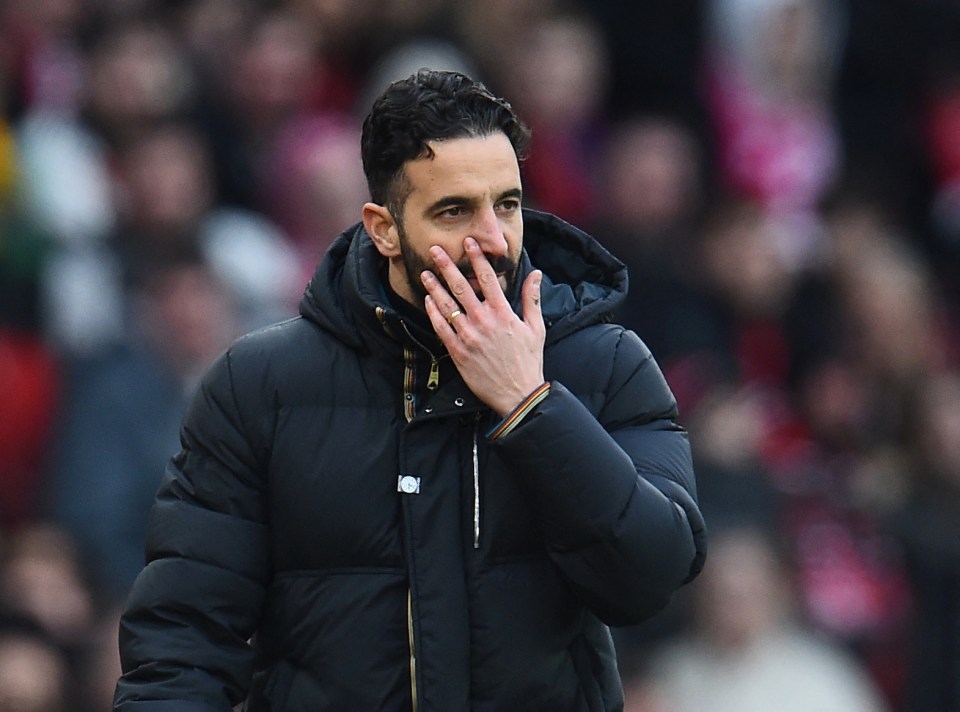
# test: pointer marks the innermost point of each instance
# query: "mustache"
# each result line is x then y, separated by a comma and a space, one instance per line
501, 265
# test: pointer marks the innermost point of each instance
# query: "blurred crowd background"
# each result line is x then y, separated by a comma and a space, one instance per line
781, 176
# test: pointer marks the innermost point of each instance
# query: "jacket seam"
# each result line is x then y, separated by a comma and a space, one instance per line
236, 406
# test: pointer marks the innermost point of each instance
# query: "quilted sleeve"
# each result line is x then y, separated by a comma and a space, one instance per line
612, 484
185, 630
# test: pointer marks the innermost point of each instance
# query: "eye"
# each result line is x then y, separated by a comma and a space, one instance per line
509, 205
455, 211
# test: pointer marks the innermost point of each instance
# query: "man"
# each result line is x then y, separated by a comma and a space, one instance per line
386, 496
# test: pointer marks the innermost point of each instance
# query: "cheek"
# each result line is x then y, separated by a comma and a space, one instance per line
414, 262
512, 229
516, 244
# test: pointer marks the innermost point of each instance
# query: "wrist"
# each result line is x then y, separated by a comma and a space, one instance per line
515, 416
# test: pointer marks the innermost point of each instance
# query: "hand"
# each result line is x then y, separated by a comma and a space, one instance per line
498, 354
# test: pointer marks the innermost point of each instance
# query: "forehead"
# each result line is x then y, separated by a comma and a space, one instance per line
471, 167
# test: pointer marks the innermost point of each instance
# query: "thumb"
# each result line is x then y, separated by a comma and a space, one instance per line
530, 297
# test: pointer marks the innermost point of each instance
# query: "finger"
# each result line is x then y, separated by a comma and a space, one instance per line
530, 300
440, 323
459, 287
444, 303
483, 271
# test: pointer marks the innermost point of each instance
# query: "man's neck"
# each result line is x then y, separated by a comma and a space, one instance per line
407, 311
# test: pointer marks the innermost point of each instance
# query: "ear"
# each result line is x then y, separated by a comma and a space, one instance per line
382, 228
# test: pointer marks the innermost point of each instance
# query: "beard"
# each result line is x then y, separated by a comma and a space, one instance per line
415, 263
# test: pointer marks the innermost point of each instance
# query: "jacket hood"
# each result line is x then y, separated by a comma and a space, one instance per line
583, 283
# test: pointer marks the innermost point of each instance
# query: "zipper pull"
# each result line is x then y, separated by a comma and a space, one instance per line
433, 380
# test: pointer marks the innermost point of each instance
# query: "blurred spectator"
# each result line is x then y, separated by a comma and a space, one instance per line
29, 397
34, 673
929, 527
771, 68
391, 26
656, 52
271, 81
876, 305
652, 180
733, 486
168, 204
138, 77
741, 294
67, 186
29, 373
42, 579
732, 428
877, 331
884, 70
164, 202
122, 416
559, 77
315, 182
23, 245
99, 670
746, 651
941, 133
405, 59
212, 32
340, 29
493, 32
39, 39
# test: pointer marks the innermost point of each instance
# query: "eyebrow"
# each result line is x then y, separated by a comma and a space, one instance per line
451, 201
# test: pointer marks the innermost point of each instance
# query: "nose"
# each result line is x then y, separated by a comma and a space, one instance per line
486, 230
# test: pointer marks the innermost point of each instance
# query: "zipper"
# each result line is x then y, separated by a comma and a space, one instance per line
410, 409
433, 379
409, 402
409, 379
476, 482
413, 653
409, 367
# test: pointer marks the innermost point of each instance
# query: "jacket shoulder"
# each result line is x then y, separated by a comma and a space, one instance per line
608, 366
282, 349
284, 364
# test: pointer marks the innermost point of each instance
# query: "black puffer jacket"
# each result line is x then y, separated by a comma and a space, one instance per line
485, 582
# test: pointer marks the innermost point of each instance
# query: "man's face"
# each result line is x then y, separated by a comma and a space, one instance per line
470, 188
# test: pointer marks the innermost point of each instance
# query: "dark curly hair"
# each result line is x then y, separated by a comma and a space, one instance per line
428, 106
